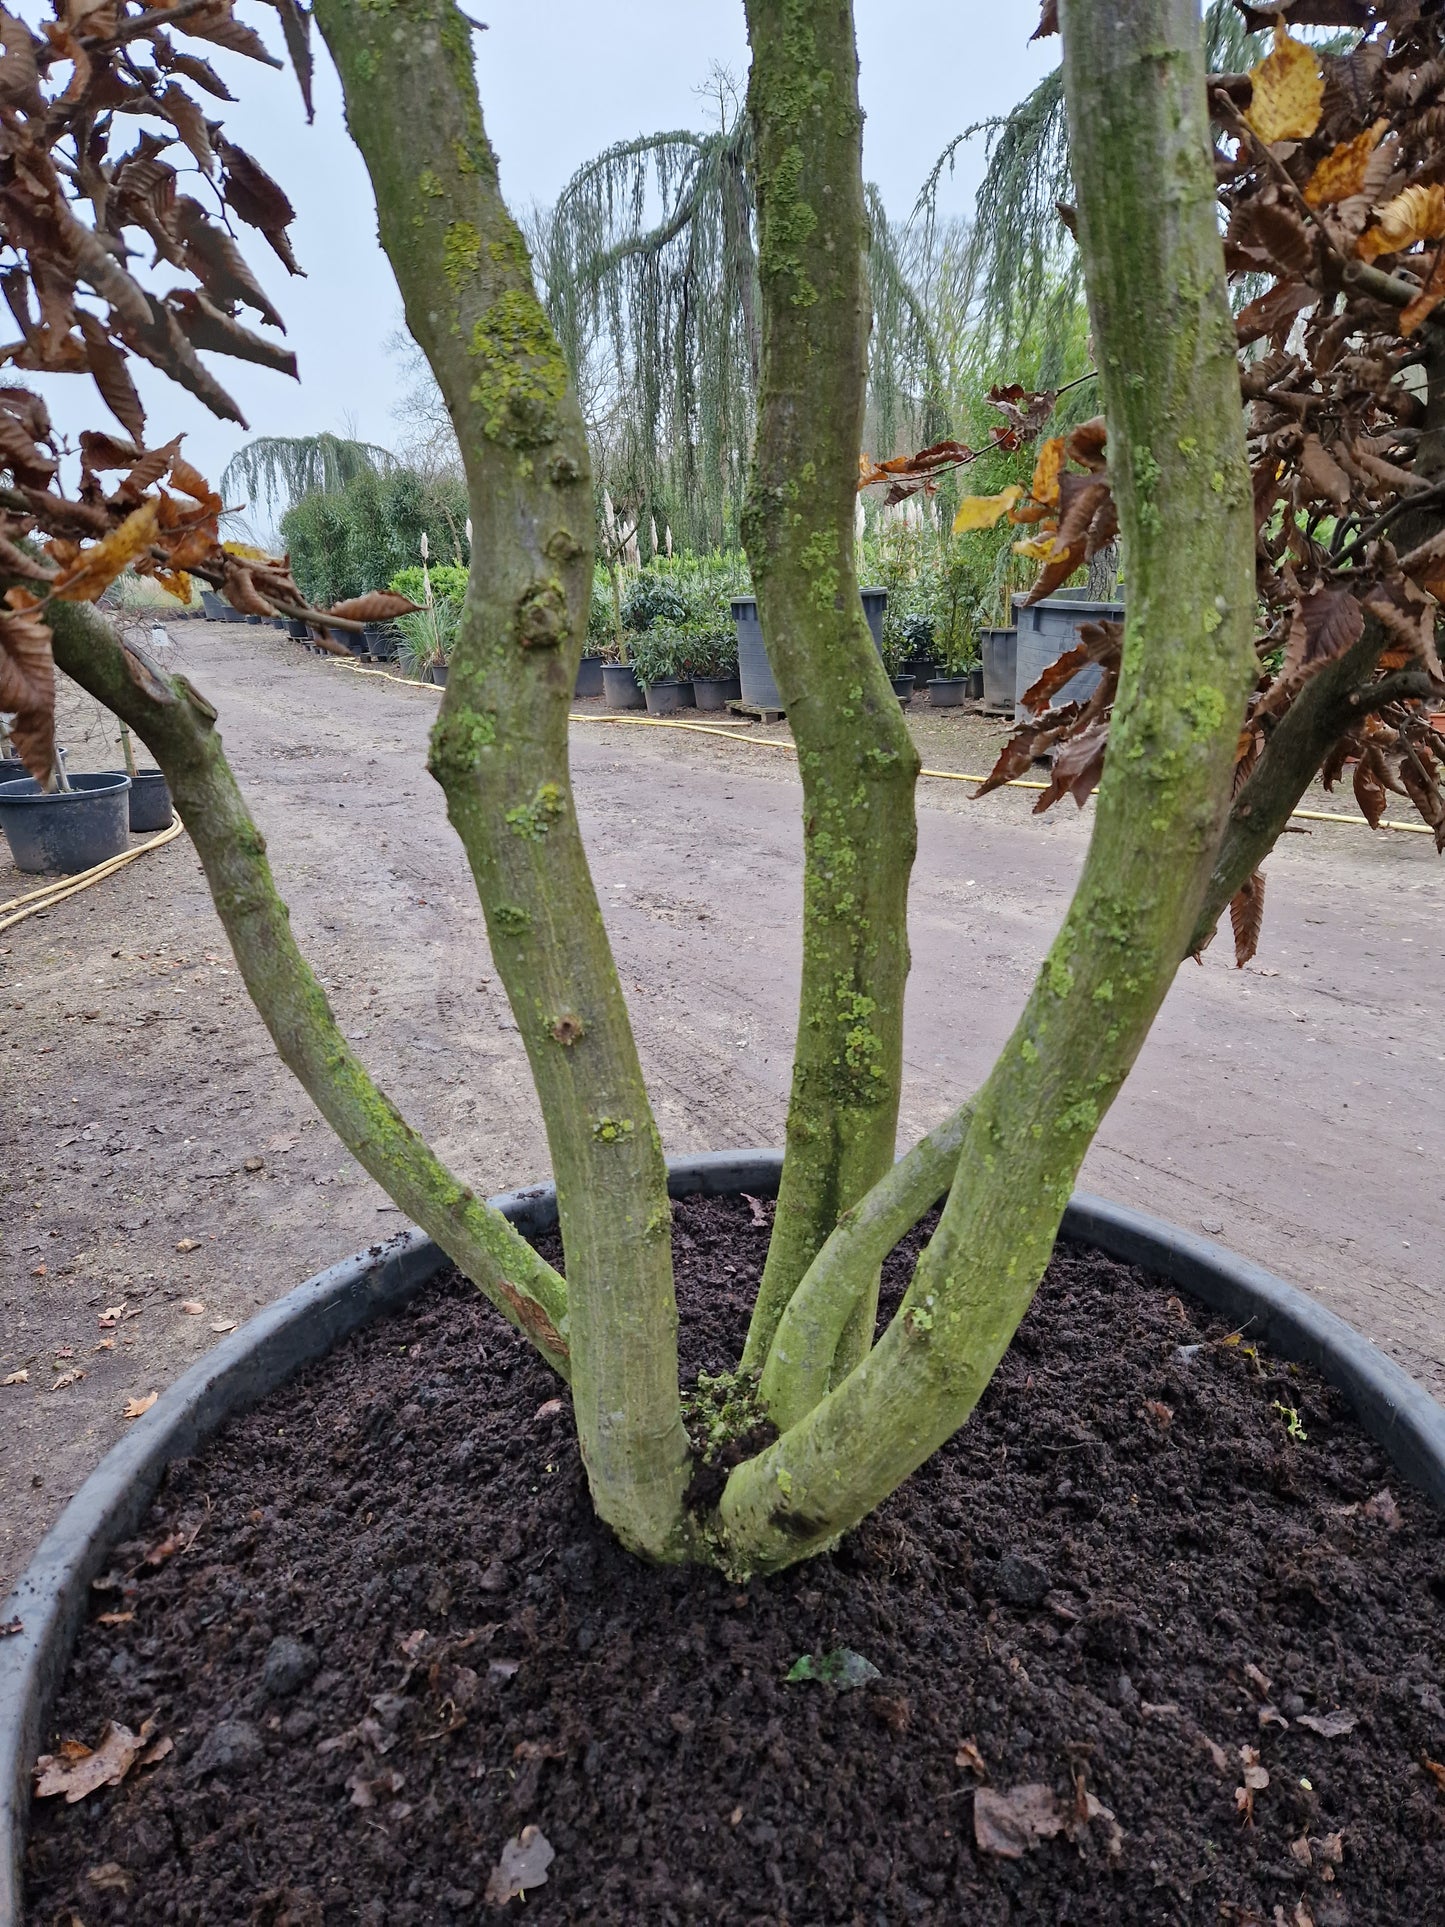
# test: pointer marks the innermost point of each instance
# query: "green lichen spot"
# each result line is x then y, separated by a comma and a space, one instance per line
461, 253
1029, 1051
533, 820
1061, 978
521, 375
612, 1130
511, 919
428, 184
457, 742
1104, 994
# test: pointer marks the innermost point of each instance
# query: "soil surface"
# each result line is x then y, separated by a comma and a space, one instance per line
157, 1155
1159, 1637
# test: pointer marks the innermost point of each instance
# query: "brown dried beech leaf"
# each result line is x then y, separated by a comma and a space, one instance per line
1246, 915
1008, 1825
1289, 90
137, 1407
381, 605
27, 683
77, 1770
523, 1865
1329, 1726
99, 565
1415, 214
1342, 171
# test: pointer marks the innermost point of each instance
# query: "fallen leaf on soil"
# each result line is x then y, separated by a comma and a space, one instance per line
1383, 1508
523, 1864
549, 1409
1256, 1779
77, 1770
1162, 1710
113, 1619
759, 1215
192, 1307
364, 1789
1300, 1849
223, 1324
1161, 1414
38, 1271
1009, 1824
188, 1244
110, 1878
16, 1378
842, 1668
1329, 1726
1216, 1753
112, 1315
14, 1626
1257, 1678
67, 1378
164, 1549
64, 1351
105, 1345
1271, 1716
968, 1755
283, 1141
134, 1407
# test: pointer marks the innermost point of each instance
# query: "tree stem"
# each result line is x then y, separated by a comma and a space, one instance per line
499, 749
1134, 76
855, 756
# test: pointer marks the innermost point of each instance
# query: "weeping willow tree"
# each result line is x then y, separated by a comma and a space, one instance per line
648, 269
1021, 266
274, 472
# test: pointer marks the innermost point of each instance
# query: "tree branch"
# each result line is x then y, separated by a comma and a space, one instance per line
177, 725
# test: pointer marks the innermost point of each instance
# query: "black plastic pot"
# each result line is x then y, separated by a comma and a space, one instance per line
713, 692
666, 698
975, 684
380, 641
589, 677
300, 630
66, 831
947, 692
620, 687
215, 609
437, 673
902, 688
999, 648
150, 801
51, 1598
759, 691
923, 669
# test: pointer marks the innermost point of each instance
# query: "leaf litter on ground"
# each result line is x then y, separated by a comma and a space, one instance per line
78, 1770
842, 1668
523, 1865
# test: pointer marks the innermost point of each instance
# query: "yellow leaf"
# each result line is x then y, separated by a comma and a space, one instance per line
1427, 301
135, 1406
21, 1377
97, 567
1417, 214
1040, 548
1289, 91
1045, 485
1342, 171
177, 584
977, 512
245, 551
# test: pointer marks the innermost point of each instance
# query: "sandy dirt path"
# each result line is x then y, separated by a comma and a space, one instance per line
158, 1155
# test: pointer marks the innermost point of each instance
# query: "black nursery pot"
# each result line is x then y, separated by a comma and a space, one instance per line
947, 692
713, 692
589, 677
902, 688
54, 1594
666, 698
620, 687
62, 832
150, 801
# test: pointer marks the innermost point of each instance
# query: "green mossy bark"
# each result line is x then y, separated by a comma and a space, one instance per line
499, 749
1134, 77
855, 756
177, 725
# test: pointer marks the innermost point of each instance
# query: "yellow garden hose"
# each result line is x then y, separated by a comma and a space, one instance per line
35, 901
951, 775
725, 731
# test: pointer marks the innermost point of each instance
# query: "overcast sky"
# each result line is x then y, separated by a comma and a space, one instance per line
559, 80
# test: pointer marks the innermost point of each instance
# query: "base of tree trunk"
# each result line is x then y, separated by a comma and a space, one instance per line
386, 1635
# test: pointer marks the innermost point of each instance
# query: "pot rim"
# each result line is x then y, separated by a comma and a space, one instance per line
50, 1599
24, 790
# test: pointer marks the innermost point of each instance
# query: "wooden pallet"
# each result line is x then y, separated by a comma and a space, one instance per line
756, 713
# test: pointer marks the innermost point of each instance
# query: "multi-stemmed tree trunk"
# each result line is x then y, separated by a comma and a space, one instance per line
853, 1418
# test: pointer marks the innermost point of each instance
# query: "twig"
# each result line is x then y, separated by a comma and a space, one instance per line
1422, 498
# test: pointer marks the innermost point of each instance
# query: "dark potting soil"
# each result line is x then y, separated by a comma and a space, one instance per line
385, 1635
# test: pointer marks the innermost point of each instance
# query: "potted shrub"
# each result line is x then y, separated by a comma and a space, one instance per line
810, 1479
660, 661
80, 822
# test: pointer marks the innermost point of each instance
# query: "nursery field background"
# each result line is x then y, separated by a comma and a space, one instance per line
170, 1160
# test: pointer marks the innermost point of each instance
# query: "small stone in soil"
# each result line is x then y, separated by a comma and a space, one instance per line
1019, 1581
288, 1666
227, 1748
